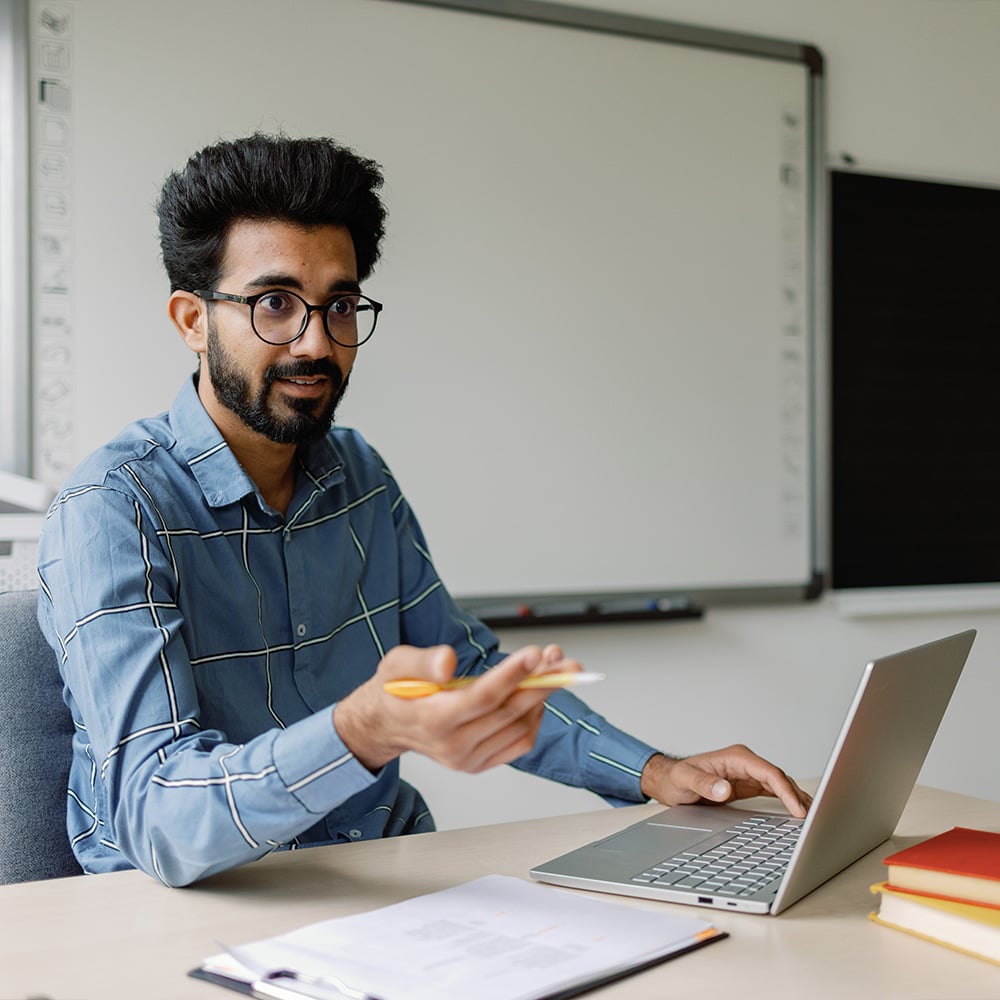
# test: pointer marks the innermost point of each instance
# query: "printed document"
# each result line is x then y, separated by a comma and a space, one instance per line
495, 938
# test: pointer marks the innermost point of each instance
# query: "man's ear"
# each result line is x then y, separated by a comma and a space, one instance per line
189, 314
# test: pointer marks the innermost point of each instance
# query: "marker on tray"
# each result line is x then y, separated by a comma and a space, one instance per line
494, 611
627, 605
560, 608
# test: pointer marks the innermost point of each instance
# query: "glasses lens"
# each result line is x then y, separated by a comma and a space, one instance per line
350, 319
278, 317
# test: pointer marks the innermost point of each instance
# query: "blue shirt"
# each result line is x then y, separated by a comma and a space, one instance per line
204, 639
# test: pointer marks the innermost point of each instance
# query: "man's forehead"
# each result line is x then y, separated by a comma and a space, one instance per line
253, 243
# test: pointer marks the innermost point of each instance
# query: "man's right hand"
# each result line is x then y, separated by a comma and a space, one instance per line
468, 729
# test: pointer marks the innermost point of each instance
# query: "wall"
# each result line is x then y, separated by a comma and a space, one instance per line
553, 172
912, 86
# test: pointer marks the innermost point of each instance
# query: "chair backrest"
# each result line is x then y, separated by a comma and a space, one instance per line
36, 732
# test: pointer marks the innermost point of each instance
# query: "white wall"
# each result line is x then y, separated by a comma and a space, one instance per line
464, 203
912, 86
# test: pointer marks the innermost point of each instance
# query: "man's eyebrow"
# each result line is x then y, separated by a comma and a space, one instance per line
345, 285
276, 280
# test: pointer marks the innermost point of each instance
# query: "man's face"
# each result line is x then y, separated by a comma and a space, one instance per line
286, 393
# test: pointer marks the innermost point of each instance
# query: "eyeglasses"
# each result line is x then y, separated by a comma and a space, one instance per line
279, 317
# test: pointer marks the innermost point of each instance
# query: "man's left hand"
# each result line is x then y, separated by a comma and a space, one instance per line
720, 776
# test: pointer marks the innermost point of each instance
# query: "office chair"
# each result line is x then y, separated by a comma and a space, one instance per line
36, 731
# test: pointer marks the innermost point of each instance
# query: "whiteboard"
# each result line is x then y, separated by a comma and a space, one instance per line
594, 369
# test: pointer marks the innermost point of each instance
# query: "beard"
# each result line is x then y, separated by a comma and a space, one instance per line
309, 420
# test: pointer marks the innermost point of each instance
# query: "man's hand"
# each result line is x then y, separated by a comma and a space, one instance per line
720, 776
469, 729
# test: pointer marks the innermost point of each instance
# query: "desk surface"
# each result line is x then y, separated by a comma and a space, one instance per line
126, 936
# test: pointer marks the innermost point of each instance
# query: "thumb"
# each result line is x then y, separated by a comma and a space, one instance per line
440, 663
436, 663
707, 785
719, 790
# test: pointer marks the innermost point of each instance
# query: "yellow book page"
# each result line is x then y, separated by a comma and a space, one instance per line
972, 930
945, 884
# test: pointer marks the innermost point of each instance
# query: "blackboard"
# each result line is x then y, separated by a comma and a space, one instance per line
594, 372
915, 355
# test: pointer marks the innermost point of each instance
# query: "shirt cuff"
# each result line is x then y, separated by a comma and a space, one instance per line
316, 766
614, 764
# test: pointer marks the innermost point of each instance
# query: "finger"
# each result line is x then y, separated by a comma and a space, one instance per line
806, 797
519, 704
507, 743
713, 788
501, 681
773, 781
796, 801
748, 775
766, 778
484, 738
555, 662
441, 662
552, 654
526, 658
435, 663
484, 741
689, 782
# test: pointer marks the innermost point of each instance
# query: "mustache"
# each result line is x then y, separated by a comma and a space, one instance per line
306, 369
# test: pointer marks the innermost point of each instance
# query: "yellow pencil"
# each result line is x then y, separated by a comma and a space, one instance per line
417, 688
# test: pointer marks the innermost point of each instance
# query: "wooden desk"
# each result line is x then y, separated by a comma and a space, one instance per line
125, 936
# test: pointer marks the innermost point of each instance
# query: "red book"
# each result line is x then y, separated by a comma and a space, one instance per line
961, 864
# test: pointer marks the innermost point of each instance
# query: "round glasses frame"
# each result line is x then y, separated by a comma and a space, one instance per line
362, 304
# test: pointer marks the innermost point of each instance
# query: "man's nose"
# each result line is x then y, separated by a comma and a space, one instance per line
314, 342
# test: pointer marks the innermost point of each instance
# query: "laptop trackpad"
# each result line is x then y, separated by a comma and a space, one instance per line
657, 841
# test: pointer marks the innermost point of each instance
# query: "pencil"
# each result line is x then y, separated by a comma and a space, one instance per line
418, 688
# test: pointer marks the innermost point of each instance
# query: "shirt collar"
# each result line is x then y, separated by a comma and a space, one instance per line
221, 477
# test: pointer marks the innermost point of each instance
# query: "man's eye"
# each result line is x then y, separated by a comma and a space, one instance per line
276, 303
343, 308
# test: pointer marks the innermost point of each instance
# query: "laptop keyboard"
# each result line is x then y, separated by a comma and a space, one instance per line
736, 862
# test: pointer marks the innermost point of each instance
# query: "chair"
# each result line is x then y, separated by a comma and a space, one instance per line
36, 732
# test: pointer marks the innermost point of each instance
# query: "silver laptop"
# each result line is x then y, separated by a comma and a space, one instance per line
736, 859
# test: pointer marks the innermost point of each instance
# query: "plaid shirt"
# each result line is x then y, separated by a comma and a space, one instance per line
204, 639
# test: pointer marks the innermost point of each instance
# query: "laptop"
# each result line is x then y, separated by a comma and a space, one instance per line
706, 855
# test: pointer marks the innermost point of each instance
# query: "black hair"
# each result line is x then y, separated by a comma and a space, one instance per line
309, 182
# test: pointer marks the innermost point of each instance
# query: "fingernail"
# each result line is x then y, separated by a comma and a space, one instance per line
720, 790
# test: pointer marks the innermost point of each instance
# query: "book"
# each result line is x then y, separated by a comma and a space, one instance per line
965, 927
960, 864
495, 938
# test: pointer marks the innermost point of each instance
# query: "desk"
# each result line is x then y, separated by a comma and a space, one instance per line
126, 936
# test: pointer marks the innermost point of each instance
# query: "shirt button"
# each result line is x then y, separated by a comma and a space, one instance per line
300, 629
354, 833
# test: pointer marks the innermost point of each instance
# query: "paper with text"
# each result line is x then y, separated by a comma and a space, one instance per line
495, 938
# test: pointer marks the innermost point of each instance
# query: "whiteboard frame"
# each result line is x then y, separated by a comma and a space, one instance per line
637, 26
765, 49
722, 40
15, 339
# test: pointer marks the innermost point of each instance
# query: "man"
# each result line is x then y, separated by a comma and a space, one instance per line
230, 585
